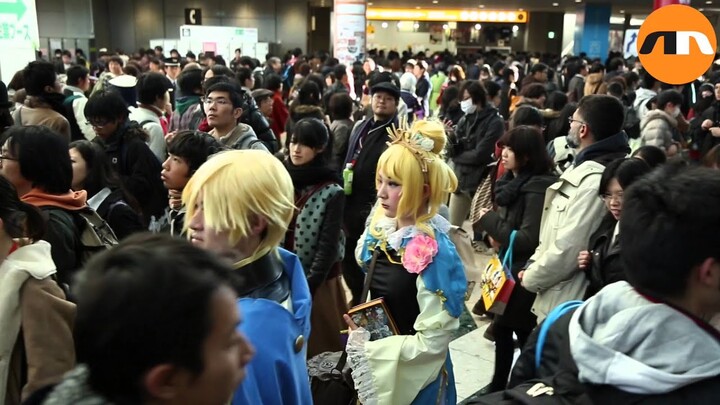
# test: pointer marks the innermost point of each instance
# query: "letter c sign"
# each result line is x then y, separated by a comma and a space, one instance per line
676, 44
193, 16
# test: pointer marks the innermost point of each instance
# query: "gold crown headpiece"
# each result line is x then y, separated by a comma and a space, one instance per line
420, 145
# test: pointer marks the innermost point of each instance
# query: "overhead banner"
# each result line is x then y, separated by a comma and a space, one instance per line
407, 14
349, 35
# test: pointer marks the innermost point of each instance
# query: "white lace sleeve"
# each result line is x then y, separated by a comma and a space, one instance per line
361, 371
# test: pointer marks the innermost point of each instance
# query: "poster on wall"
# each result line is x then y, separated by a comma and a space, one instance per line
349, 33
436, 33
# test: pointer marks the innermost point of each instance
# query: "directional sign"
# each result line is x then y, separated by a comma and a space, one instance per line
16, 7
19, 37
630, 43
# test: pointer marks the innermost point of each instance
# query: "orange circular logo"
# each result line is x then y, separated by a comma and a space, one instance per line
676, 44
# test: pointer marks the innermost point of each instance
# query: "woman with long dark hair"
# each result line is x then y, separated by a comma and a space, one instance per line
93, 173
519, 196
37, 321
315, 233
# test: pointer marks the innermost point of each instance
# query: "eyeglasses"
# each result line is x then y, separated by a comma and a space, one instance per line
618, 197
217, 101
571, 119
97, 124
3, 158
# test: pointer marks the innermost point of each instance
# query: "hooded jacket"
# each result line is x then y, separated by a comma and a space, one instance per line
626, 348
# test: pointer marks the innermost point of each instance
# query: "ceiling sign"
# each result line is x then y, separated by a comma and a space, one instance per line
400, 14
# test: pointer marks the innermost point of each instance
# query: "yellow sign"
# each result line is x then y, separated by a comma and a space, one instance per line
407, 14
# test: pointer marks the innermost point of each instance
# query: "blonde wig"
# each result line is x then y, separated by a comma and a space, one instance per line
414, 161
238, 187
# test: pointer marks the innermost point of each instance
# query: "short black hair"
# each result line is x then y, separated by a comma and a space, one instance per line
309, 93
527, 115
234, 92
219, 70
117, 60
194, 147
340, 71
625, 170
669, 224
615, 64
151, 86
647, 80
190, 82
154, 283
538, 67
603, 114
556, 100
37, 75
528, 144
477, 93
669, 96
273, 82
75, 74
106, 104
596, 67
43, 157
243, 74
492, 88
615, 89
340, 106
651, 154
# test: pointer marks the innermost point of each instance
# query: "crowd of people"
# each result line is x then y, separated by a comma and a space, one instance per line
185, 230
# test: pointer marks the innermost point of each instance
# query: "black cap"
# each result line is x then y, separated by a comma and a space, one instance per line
386, 87
172, 62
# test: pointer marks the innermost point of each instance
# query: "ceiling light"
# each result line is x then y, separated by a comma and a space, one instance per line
521, 9
482, 6
578, 1
417, 8
708, 2
515, 28
370, 4
435, 1
478, 26
445, 26
384, 25
701, 10
555, 4
622, 11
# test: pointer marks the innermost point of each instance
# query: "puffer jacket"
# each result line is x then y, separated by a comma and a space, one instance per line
656, 129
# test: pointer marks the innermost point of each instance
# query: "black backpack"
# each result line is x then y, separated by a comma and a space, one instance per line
93, 233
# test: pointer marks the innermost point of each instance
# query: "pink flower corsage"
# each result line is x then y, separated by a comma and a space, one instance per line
419, 253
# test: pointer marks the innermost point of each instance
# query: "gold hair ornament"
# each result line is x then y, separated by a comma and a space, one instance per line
420, 145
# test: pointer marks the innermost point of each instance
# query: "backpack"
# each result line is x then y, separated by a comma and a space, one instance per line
94, 234
563, 388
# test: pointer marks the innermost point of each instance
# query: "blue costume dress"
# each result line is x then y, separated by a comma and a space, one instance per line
426, 302
277, 375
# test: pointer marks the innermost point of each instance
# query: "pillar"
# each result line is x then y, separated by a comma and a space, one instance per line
592, 30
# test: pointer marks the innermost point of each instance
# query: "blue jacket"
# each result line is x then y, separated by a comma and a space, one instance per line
278, 373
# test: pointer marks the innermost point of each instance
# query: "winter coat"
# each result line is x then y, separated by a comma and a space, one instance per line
36, 347
37, 112
473, 147
576, 88
703, 138
523, 215
594, 84
150, 122
572, 210
340, 130
621, 347
657, 128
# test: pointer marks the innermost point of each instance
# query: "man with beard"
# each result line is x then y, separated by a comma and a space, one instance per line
572, 208
43, 105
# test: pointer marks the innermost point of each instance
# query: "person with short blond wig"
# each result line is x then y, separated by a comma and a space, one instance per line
239, 205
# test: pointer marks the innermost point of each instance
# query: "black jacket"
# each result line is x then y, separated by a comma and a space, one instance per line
605, 266
523, 214
557, 365
701, 137
138, 168
473, 147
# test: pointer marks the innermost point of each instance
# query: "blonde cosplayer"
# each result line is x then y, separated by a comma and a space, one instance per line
414, 160
238, 187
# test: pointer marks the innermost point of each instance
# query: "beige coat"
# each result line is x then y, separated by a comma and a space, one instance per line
572, 211
35, 112
36, 321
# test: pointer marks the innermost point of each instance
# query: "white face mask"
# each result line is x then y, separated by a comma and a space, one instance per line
467, 106
677, 112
